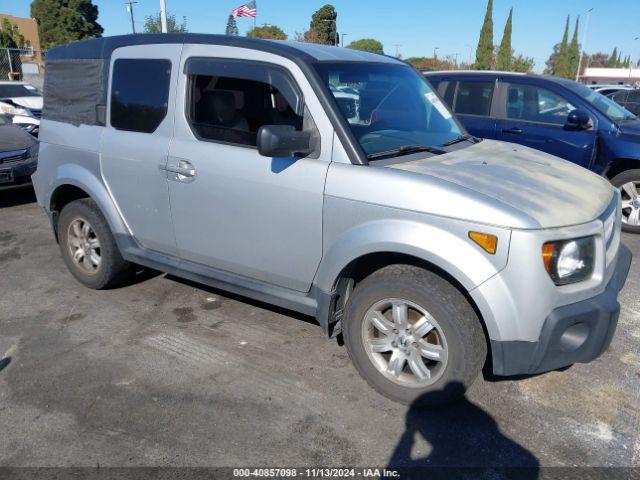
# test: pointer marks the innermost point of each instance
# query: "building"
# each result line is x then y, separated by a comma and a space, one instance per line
611, 76
31, 59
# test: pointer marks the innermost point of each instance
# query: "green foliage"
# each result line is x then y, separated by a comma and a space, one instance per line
368, 45
613, 59
573, 51
10, 36
322, 28
153, 24
484, 52
505, 52
64, 21
562, 66
522, 64
430, 63
232, 26
267, 31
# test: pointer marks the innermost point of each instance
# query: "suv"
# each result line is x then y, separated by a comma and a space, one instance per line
555, 115
228, 161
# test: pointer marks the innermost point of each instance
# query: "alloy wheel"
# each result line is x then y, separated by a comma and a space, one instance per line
84, 246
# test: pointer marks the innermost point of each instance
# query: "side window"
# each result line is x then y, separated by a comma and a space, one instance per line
473, 98
535, 104
230, 104
139, 94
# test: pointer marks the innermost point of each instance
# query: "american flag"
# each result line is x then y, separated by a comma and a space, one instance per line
246, 10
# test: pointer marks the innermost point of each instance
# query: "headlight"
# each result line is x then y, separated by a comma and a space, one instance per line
569, 261
12, 110
32, 151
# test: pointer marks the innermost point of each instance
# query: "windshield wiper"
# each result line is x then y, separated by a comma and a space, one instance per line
405, 149
461, 138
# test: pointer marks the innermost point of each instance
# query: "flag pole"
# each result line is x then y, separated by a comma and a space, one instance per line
255, 18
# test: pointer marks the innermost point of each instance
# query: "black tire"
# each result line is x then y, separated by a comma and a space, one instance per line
113, 269
465, 339
618, 181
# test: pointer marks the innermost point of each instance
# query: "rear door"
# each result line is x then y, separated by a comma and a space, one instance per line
135, 142
471, 100
536, 116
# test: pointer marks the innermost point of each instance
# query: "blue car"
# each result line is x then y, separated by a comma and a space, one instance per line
555, 115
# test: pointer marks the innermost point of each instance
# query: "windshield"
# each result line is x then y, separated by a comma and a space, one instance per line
388, 106
605, 105
18, 90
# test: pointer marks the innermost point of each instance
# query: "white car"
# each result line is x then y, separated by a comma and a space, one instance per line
609, 89
23, 102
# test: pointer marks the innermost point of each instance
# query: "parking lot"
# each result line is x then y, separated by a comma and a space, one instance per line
165, 372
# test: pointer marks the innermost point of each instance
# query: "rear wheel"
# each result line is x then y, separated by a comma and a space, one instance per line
629, 184
413, 336
88, 247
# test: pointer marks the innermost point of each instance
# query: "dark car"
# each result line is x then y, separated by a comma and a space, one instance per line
629, 99
18, 155
555, 115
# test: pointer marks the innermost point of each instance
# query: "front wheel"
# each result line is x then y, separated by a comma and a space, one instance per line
629, 184
413, 336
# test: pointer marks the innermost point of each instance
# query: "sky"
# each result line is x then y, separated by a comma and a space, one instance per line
417, 27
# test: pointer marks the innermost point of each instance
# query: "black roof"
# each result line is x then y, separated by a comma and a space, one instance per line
494, 73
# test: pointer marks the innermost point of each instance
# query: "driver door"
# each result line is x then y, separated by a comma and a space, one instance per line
537, 117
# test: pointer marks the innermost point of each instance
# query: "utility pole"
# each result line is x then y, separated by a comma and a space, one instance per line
130, 10
163, 15
435, 52
342, 35
584, 42
456, 60
397, 45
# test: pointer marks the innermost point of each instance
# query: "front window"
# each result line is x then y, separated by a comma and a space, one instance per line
18, 90
605, 105
534, 104
389, 106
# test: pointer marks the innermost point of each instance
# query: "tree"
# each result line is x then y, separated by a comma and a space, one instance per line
153, 24
10, 36
322, 28
574, 51
505, 53
522, 64
613, 59
562, 61
430, 63
367, 45
232, 26
484, 52
64, 21
267, 31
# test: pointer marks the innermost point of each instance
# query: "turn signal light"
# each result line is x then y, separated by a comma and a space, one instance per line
489, 243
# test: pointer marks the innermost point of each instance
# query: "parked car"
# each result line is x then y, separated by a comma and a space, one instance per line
554, 115
607, 90
629, 99
23, 102
227, 161
18, 155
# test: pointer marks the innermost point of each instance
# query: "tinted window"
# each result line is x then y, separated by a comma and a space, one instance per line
230, 109
139, 94
9, 91
605, 105
535, 104
473, 98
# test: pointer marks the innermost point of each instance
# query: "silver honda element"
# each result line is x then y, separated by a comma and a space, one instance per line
335, 183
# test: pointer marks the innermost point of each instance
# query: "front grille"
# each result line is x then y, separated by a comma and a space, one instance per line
13, 156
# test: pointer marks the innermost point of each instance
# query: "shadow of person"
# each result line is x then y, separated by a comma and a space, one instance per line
465, 442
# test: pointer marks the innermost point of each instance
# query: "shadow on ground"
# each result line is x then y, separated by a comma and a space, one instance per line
17, 196
465, 442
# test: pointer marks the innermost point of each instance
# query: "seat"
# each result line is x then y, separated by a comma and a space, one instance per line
219, 108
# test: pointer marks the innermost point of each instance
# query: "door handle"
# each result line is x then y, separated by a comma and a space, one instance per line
513, 131
184, 170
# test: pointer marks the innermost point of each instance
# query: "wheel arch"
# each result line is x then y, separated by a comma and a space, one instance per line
619, 165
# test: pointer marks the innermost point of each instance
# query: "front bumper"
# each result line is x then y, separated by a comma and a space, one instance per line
18, 174
574, 333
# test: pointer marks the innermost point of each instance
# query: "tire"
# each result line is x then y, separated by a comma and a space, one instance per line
630, 199
456, 335
103, 266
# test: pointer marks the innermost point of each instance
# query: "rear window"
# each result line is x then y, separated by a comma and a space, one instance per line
473, 98
139, 94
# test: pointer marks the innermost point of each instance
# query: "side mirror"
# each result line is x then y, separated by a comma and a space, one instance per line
578, 119
283, 141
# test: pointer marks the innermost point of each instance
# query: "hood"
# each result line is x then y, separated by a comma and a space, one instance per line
14, 138
29, 102
547, 191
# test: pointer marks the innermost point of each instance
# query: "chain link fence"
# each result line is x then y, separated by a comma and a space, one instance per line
24, 64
